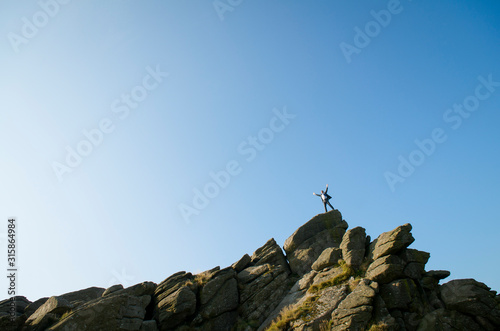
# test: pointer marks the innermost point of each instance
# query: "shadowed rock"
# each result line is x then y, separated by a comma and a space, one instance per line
48, 313
469, 296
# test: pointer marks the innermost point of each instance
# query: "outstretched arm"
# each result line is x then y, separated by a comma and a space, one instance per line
317, 194
326, 191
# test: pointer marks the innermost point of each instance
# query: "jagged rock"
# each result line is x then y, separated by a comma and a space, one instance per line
112, 312
252, 292
469, 296
172, 284
355, 311
305, 245
19, 303
415, 261
176, 307
294, 295
329, 300
327, 274
11, 312
381, 315
353, 246
262, 285
223, 322
48, 313
447, 320
391, 242
249, 274
225, 299
32, 307
398, 294
328, 258
485, 323
242, 263
214, 285
6, 322
218, 295
438, 274
260, 297
112, 289
80, 297
144, 288
270, 253
306, 280
386, 269
149, 326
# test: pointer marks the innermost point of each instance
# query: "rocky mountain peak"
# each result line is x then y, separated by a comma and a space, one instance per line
327, 277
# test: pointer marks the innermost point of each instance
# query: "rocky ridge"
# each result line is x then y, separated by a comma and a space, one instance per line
328, 277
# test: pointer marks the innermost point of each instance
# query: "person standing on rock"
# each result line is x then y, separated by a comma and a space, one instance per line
325, 198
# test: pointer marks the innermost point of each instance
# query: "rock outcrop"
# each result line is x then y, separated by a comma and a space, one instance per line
306, 244
331, 278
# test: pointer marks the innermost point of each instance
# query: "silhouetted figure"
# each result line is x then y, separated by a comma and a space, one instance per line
325, 198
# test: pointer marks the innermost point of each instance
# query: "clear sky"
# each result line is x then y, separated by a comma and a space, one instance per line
139, 139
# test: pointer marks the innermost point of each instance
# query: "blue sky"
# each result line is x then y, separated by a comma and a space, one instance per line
274, 100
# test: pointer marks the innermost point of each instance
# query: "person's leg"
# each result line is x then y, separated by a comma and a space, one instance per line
324, 204
329, 205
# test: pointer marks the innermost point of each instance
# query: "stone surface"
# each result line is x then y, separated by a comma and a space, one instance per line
112, 289
214, 284
176, 307
381, 315
355, 311
386, 269
77, 298
223, 322
270, 253
353, 246
305, 245
329, 257
224, 300
172, 284
391, 242
19, 303
7, 324
262, 295
53, 307
327, 274
249, 274
469, 296
312, 292
149, 325
112, 312
447, 320
242, 263
32, 307
438, 274
399, 294
144, 288
415, 261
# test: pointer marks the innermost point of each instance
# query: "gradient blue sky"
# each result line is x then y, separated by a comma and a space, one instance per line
115, 217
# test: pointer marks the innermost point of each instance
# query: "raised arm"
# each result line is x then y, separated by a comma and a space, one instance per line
326, 190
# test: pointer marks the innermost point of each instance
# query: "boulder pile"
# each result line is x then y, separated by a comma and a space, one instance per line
328, 277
